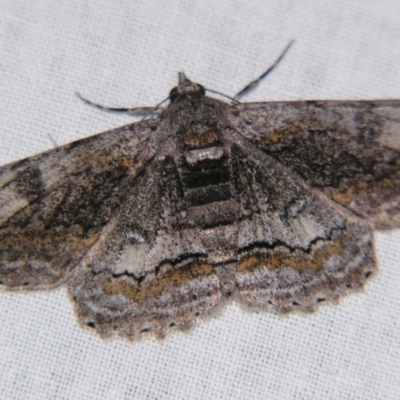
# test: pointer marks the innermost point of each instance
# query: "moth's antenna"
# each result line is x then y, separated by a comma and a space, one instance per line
137, 111
223, 95
154, 109
254, 83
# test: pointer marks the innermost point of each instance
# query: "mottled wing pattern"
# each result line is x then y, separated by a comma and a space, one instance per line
295, 247
350, 150
242, 196
150, 272
54, 206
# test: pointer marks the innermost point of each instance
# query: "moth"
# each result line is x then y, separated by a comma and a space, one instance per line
156, 223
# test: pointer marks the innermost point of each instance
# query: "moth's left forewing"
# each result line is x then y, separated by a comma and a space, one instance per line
54, 206
350, 150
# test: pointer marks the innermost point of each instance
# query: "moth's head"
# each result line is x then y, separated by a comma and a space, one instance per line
185, 88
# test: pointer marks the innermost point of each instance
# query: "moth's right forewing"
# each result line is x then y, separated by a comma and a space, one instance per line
350, 150
54, 206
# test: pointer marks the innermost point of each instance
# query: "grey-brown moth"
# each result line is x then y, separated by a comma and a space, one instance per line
155, 223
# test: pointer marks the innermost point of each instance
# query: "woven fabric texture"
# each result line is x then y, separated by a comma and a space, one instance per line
128, 53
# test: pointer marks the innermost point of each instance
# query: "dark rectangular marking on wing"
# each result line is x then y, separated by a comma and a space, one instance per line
196, 179
208, 194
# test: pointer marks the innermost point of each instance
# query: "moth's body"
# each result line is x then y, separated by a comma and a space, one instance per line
195, 163
152, 224
204, 165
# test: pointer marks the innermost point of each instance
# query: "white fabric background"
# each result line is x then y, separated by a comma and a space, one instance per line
126, 52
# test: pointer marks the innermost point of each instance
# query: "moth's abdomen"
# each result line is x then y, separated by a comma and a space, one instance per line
206, 179
207, 176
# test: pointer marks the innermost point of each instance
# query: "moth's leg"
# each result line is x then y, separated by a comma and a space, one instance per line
248, 88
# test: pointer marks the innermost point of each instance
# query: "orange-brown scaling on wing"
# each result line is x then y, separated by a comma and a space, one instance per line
250, 263
81, 242
123, 162
196, 139
279, 136
298, 260
351, 193
345, 197
273, 138
105, 159
73, 241
154, 289
127, 163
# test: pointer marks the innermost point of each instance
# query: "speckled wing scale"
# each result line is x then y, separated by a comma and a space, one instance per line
54, 206
156, 223
349, 150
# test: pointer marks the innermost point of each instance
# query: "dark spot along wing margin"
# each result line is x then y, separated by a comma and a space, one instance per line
350, 150
295, 246
54, 206
151, 272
